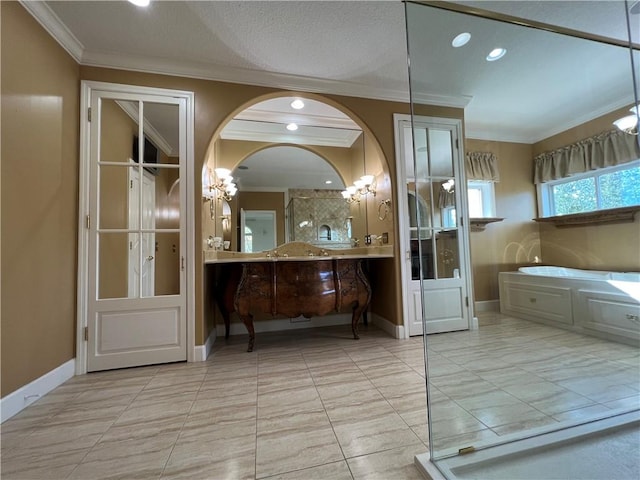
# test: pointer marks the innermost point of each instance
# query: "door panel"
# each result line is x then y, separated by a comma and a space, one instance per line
435, 273
136, 282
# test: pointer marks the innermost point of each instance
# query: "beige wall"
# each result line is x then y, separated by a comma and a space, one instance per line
40, 125
514, 241
597, 247
40, 92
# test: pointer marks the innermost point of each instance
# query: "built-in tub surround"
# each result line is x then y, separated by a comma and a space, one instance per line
604, 304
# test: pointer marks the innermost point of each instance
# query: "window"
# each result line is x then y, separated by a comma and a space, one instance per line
482, 203
482, 199
601, 189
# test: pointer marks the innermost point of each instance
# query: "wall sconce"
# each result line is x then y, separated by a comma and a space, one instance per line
365, 186
223, 184
629, 124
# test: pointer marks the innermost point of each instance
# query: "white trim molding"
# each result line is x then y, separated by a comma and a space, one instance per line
486, 306
28, 394
281, 324
396, 331
54, 26
201, 352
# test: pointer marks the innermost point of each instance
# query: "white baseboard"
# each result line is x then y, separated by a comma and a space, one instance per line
487, 306
278, 324
396, 331
26, 395
201, 352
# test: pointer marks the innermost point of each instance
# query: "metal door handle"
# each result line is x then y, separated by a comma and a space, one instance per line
149, 258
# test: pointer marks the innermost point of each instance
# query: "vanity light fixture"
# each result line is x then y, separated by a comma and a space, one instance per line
365, 186
292, 127
224, 184
461, 40
140, 3
297, 104
629, 123
496, 54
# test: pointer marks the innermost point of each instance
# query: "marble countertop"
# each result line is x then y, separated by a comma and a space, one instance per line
298, 251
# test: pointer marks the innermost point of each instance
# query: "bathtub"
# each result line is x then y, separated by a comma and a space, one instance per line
603, 304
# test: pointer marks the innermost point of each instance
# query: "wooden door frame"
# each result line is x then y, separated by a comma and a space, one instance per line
86, 187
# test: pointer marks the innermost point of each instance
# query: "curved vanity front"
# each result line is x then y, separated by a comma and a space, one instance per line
277, 283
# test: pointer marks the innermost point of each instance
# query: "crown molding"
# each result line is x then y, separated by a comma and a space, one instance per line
252, 114
243, 130
266, 79
54, 26
241, 76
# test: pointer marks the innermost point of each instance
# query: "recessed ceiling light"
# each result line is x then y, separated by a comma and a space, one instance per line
496, 54
140, 3
297, 104
292, 127
461, 39
328, 182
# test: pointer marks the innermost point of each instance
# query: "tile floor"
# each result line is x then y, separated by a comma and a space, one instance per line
316, 404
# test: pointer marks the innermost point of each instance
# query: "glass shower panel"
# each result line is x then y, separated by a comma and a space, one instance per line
479, 394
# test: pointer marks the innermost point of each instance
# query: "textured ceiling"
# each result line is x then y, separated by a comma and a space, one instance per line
542, 86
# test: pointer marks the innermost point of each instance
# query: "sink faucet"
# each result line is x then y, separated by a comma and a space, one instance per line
355, 241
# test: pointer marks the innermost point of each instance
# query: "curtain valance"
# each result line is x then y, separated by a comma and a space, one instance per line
607, 149
482, 166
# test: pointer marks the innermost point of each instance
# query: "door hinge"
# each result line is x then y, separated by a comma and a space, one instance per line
466, 301
88, 221
461, 221
182, 263
457, 144
131, 184
86, 334
89, 114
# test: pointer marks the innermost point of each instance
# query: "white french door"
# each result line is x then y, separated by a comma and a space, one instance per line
436, 267
134, 245
148, 219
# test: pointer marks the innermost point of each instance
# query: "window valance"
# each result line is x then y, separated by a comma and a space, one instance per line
606, 149
482, 166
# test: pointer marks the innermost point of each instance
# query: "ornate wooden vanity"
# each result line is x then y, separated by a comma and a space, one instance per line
314, 284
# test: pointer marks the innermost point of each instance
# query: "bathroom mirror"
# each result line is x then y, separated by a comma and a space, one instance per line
297, 172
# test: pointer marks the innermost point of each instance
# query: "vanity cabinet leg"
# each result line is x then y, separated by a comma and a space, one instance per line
355, 318
248, 322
